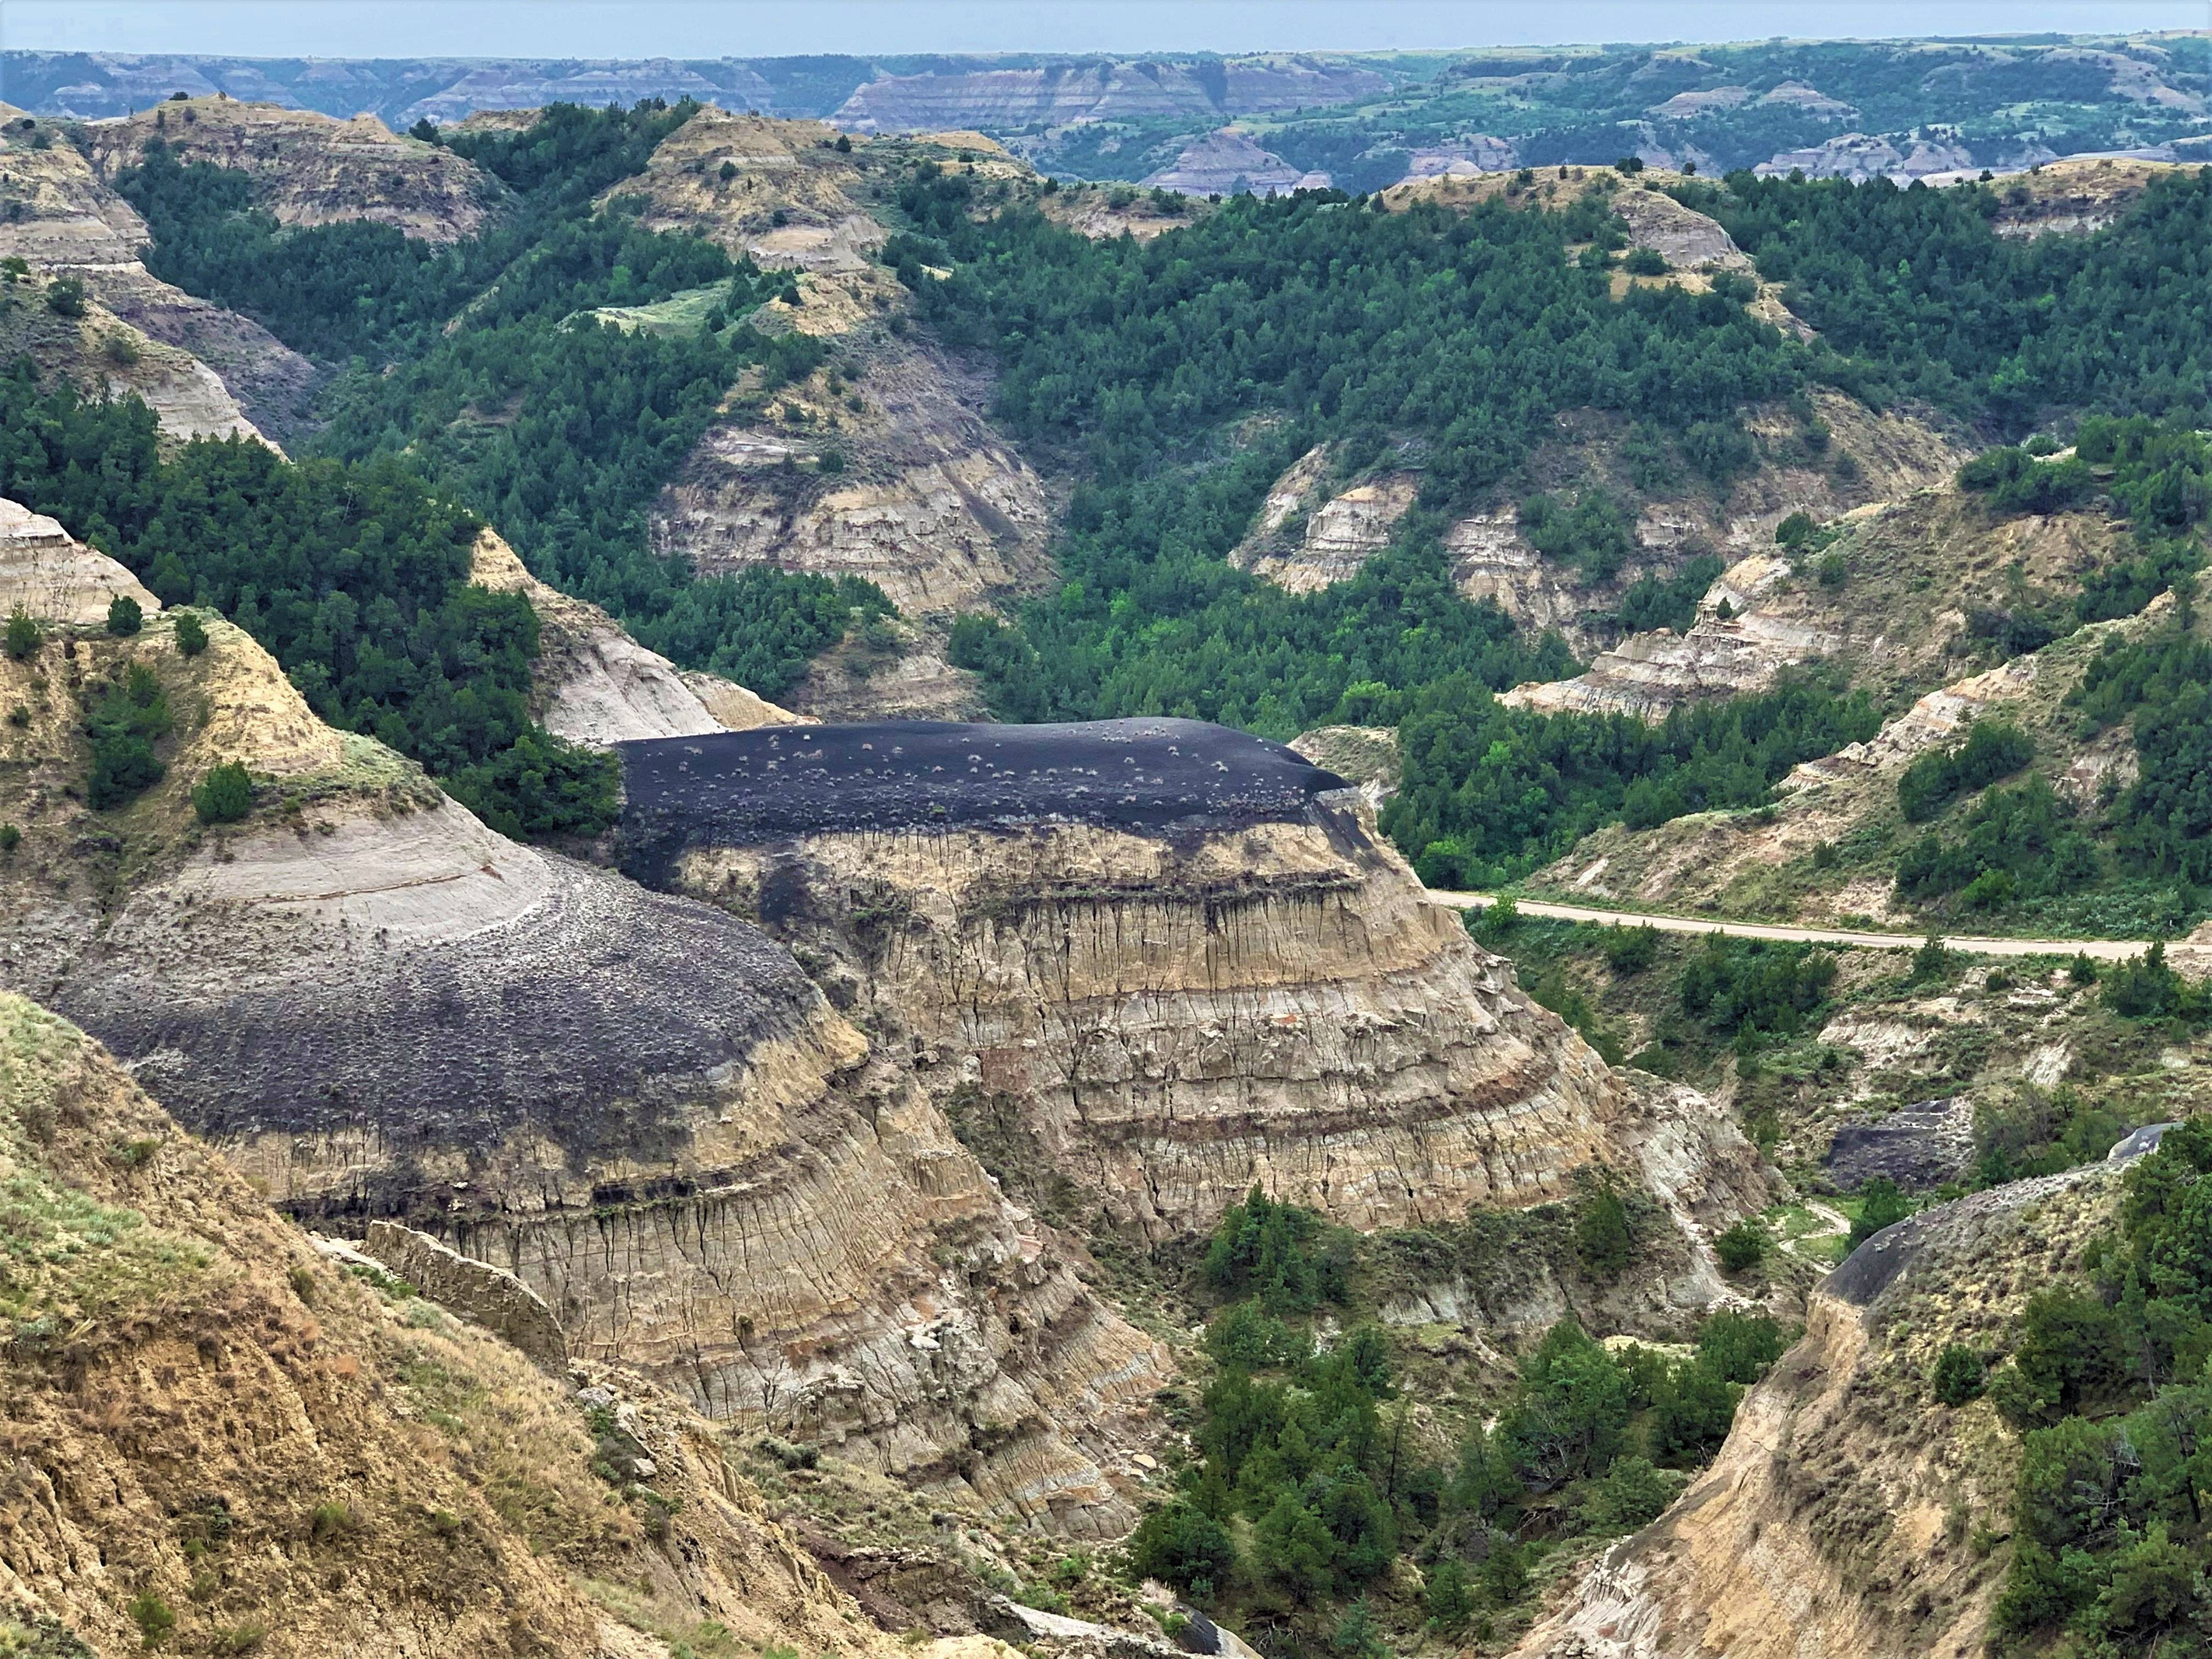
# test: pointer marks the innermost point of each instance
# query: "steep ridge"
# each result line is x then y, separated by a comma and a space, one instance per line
1835, 1520
311, 169
1158, 962
218, 1437
637, 1103
922, 496
57, 215
591, 683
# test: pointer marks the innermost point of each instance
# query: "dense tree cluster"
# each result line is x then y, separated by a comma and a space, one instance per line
1312, 1478
356, 578
1490, 792
483, 366
1917, 282
1991, 750
2109, 1386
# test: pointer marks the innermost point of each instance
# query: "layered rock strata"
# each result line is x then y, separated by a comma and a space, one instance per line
635, 1103
1057, 95
931, 505
1167, 960
204, 371
205, 1415
1229, 163
55, 577
591, 683
1335, 533
309, 169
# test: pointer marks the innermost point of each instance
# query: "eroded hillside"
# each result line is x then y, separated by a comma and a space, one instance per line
378, 1005
1850, 1512
1219, 979
221, 1438
310, 168
203, 370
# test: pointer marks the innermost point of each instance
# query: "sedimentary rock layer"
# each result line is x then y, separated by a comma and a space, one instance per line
635, 1102
1168, 1006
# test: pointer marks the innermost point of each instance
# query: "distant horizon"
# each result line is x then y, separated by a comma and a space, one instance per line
646, 29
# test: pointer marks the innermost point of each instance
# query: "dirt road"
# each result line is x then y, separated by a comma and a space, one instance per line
2100, 950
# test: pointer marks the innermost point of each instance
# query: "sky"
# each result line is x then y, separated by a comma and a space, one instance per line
765, 28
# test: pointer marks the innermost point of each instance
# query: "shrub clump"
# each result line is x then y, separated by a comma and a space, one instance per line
225, 795
125, 615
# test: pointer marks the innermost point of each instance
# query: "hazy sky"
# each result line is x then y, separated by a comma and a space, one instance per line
759, 29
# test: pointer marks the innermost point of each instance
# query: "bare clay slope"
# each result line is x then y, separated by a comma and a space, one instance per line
206, 1423
1150, 996
640, 1104
203, 370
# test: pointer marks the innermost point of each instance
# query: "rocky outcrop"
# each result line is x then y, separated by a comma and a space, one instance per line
1859, 157
309, 169
1684, 238
1059, 94
479, 1292
1825, 1527
1202, 974
1305, 540
1366, 755
56, 578
1463, 157
1722, 655
1227, 162
591, 683
931, 505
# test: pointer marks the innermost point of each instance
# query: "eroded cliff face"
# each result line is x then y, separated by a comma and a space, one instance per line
309, 169
205, 1415
637, 1103
881, 464
591, 683
1057, 95
1155, 1019
1828, 1526
204, 371
1316, 528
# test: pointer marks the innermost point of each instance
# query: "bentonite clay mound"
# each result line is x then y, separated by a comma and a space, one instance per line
409, 982
742, 788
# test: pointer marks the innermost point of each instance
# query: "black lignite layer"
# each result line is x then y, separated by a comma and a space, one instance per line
743, 788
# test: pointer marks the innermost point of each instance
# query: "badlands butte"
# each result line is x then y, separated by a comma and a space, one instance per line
876, 1178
